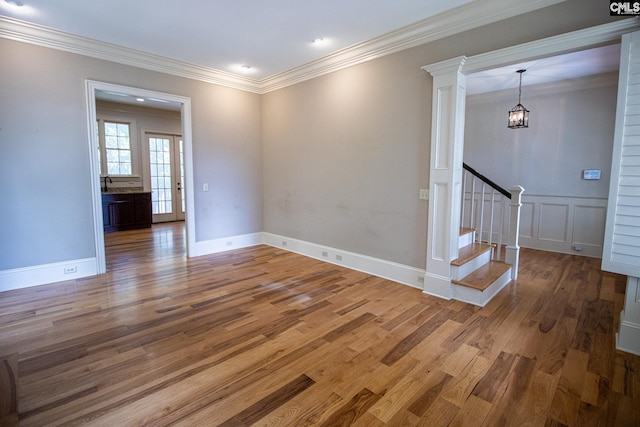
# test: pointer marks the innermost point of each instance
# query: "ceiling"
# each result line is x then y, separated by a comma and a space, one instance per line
276, 37
573, 65
268, 36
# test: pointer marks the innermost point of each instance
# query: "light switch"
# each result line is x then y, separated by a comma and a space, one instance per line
205, 187
424, 194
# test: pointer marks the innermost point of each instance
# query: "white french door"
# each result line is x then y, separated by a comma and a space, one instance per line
166, 165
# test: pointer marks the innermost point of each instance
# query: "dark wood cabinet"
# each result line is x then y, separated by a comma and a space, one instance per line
126, 211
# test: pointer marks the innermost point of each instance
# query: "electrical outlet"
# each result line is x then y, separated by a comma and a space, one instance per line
70, 270
284, 243
205, 187
325, 254
229, 243
338, 257
420, 279
424, 194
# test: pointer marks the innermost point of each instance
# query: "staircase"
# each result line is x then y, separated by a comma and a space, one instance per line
488, 251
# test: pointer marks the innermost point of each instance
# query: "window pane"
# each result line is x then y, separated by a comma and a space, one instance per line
123, 130
111, 142
125, 156
118, 148
110, 129
112, 156
113, 168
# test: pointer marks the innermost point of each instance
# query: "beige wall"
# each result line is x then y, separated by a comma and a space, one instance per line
44, 161
346, 154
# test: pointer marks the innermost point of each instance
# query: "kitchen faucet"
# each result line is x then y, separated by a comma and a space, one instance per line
105, 182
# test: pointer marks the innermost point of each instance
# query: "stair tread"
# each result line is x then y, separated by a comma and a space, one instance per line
484, 276
469, 252
466, 230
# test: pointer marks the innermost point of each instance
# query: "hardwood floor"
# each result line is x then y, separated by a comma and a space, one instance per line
260, 336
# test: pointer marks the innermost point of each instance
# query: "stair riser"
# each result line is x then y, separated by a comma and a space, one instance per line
481, 298
465, 239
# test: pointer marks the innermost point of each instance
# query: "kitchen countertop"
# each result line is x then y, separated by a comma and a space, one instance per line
125, 190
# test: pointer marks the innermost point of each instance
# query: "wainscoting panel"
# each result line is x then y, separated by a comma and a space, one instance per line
553, 220
584, 217
573, 225
526, 220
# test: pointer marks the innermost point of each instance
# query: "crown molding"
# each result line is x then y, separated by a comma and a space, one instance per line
26, 32
473, 15
555, 45
467, 17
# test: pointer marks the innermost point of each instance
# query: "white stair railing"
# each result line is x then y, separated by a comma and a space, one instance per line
494, 214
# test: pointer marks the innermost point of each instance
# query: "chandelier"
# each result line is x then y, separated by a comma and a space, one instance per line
519, 115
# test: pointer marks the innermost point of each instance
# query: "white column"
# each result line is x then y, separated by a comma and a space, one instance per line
445, 173
628, 336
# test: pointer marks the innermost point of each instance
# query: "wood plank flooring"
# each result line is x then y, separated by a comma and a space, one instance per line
260, 336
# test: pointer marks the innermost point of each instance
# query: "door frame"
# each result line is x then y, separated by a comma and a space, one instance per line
452, 73
96, 193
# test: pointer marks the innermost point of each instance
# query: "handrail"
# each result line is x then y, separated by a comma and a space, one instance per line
486, 180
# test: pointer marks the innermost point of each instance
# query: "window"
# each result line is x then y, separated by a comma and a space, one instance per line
114, 145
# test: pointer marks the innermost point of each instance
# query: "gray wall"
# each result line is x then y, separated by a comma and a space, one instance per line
571, 129
345, 156
46, 214
346, 153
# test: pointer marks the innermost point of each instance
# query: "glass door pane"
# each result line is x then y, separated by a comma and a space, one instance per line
161, 183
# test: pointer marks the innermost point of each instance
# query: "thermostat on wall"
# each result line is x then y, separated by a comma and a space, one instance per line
591, 174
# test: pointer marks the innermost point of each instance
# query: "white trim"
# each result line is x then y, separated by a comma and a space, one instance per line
400, 273
468, 17
39, 35
472, 15
19, 278
556, 45
223, 244
91, 87
628, 337
438, 286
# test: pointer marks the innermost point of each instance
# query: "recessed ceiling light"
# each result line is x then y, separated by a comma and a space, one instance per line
245, 67
140, 99
319, 41
14, 3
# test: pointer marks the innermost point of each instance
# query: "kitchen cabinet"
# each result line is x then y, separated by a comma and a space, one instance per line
126, 211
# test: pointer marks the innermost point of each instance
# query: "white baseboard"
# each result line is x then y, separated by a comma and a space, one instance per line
438, 286
628, 337
214, 246
400, 273
411, 276
19, 278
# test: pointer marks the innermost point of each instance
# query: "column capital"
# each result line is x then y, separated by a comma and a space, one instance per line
446, 67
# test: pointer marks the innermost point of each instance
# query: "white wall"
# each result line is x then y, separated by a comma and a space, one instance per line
571, 129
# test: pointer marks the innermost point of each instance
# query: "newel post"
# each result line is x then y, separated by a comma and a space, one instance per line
512, 254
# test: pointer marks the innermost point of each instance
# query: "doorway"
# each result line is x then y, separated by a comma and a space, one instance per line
184, 106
